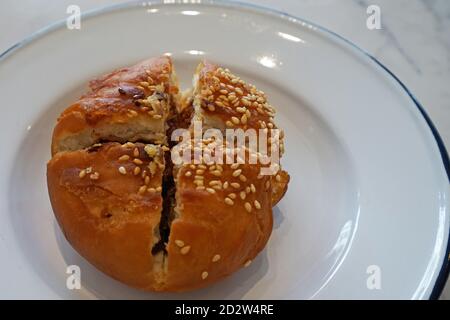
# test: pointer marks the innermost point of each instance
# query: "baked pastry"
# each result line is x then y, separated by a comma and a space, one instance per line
129, 104
133, 212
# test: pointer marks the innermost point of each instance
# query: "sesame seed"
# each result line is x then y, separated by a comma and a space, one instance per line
239, 91
248, 207
179, 243
125, 157
267, 184
216, 173
138, 161
257, 204
247, 263
157, 116
142, 189
185, 249
82, 173
136, 171
216, 258
229, 123
243, 178
147, 180
151, 190
235, 185
246, 103
94, 176
244, 119
200, 171
211, 107
234, 166
241, 109
159, 189
225, 185
278, 177
200, 188
237, 172
232, 196
210, 190
188, 173
202, 166
242, 194
136, 152
204, 275
247, 190
235, 120
229, 201
122, 170
252, 188
89, 170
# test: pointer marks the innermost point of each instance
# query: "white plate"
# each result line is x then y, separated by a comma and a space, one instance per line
369, 188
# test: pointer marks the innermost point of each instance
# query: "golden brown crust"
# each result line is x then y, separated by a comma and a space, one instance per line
223, 219
103, 213
140, 96
108, 198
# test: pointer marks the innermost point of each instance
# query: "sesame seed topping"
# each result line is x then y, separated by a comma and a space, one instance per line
157, 116
278, 177
229, 202
122, 170
257, 204
247, 263
252, 188
234, 166
151, 190
216, 258
142, 189
235, 120
232, 196
136, 171
244, 119
179, 243
159, 189
237, 172
199, 171
210, 190
136, 152
204, 275
89, 170
235, 185
225, 185
138, 161
248, 207
243, 178
267, 184
82, 173
125, 157
229, 123
188, 173
185, 249
216, 173
243, 195
147, 180
239, 91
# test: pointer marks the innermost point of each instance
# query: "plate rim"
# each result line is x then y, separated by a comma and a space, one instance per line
444, 271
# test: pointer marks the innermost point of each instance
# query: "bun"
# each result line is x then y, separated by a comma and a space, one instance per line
137, 216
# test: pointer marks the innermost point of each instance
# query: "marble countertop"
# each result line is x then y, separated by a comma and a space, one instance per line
413, 42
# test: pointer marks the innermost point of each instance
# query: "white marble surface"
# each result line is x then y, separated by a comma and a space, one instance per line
414, 41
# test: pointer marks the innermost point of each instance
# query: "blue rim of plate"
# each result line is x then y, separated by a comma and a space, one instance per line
445, 268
